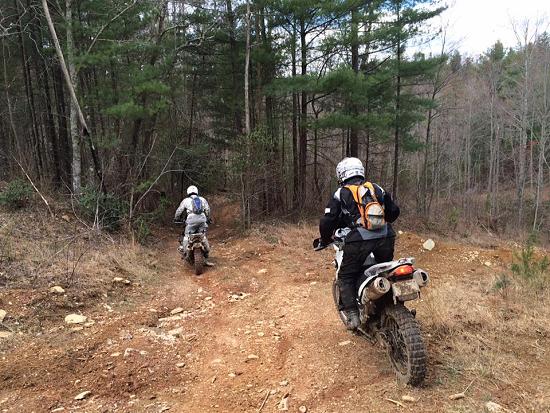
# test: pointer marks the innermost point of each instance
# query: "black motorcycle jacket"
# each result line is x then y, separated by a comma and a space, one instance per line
342, 212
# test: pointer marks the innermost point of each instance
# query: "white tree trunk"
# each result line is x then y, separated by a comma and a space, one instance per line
73, 120
70, 79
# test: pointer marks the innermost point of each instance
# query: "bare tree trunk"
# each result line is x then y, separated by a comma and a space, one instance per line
522, 146
295, 171
423, 186
303, 115
61, 109
540, 174
545, 120
245, 189
246, 73
354, 140
35, 139
192, 110
492, 153
397, 134
234, 58
42, 75
316, 112
70, 79
259, 109
468, 153
14, 142
73, 120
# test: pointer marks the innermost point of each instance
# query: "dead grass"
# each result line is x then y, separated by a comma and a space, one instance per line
37, 253
498, 337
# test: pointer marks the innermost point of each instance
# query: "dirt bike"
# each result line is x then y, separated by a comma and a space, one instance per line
382, 290
196, 251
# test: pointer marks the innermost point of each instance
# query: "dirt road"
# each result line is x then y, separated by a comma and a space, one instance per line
259, 327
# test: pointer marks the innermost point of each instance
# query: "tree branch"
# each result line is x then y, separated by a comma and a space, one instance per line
34, 186
108, 24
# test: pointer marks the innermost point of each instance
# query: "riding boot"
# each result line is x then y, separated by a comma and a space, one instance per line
348, 303
353, 320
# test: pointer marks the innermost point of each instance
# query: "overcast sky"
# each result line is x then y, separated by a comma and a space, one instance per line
475, 25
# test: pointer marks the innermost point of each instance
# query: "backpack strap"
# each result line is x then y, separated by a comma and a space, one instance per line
372, 191
354, 189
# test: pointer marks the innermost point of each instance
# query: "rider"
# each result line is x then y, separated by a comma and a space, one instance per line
196, 212
342, 212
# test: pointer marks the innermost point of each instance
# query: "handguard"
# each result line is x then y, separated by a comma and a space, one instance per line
319, 245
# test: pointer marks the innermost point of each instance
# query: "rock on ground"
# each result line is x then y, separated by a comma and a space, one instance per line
493, 407
120, 280
83, 395
429, 244
176, 311
75, 319
56, 289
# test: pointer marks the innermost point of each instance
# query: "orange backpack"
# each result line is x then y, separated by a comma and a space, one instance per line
371, 210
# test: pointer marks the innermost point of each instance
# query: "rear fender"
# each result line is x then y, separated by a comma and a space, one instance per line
195, 245
405, 290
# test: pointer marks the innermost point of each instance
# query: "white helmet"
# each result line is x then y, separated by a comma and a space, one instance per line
348, 168
192, 190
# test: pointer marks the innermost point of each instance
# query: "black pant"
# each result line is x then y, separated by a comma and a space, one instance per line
355, 254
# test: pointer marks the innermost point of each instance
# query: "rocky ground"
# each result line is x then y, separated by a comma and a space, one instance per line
258, 333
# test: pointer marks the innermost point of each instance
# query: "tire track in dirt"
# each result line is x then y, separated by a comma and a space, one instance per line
282, 337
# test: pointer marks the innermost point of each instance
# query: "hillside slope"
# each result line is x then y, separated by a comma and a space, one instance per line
259, 326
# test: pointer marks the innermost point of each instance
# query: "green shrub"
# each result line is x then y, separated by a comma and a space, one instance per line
141, 228
454, 218
109, 210
141, 225
16, 195
526, 265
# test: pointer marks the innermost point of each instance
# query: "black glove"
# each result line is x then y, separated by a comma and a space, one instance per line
322, 244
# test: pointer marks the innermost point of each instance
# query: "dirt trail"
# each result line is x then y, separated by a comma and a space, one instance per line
260, 324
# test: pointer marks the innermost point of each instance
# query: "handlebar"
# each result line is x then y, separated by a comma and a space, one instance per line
318, 244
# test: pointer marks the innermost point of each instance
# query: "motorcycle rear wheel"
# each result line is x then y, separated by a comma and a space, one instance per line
404, 344
199, 261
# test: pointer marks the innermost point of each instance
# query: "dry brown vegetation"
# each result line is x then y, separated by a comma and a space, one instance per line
268, 296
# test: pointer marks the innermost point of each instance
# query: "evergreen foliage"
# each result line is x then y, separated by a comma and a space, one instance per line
161, 85
16, 195
528, 267
103, 209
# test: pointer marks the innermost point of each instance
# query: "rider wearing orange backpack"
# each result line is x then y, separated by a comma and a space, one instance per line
362, 212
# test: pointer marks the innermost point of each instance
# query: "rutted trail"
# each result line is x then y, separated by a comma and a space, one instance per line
257, 327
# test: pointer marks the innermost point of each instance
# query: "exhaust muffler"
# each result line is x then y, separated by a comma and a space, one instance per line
421, 277
377, 288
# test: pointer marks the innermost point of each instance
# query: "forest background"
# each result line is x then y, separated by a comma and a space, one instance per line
260, 100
